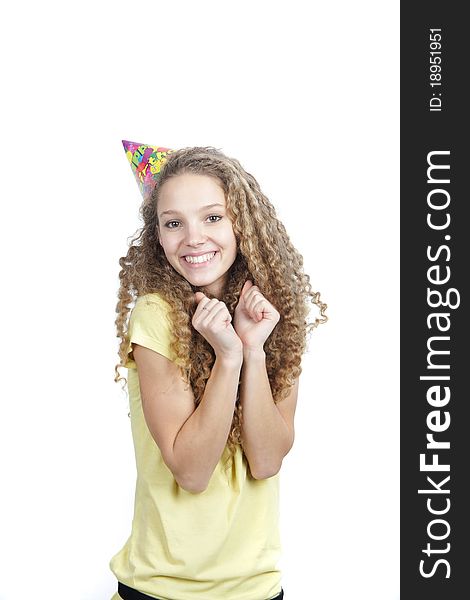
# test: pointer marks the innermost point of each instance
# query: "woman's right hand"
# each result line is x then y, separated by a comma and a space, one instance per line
213, 321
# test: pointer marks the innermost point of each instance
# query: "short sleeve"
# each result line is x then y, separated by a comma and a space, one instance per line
150, 326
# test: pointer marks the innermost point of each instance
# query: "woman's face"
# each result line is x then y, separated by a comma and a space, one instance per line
195, 231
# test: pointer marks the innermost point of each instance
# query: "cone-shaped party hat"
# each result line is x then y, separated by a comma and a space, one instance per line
146, 162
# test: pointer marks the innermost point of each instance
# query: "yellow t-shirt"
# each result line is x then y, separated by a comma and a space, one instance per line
221, 544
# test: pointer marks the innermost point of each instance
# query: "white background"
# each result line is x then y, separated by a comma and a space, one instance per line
305, 95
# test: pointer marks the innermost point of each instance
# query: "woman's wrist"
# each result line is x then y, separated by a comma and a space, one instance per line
230, 358
253, 352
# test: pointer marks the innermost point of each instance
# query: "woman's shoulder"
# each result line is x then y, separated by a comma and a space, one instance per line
151, 304
152, 298
150, 325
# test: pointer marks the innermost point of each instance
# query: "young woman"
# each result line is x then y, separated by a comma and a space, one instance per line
213, 349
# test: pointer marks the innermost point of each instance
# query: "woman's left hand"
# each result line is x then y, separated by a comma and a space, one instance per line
254, 317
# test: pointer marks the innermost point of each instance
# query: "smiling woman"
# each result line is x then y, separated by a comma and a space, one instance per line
199, 244
213, 348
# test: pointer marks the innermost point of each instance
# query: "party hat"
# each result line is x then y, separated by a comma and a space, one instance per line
146, 163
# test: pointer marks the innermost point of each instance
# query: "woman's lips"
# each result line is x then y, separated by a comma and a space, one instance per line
196, 265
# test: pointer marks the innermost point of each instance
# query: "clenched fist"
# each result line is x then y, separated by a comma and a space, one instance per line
254, 318
213, 321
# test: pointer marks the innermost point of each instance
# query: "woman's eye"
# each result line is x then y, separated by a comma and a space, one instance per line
175, 224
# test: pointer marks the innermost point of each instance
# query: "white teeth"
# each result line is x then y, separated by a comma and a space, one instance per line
199, 259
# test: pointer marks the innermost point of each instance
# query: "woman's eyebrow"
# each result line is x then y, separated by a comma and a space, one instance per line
203, 208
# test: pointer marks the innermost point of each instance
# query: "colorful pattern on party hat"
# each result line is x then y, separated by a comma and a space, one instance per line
146, 163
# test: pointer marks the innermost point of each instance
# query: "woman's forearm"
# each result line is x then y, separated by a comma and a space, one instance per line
202, 439
265, 435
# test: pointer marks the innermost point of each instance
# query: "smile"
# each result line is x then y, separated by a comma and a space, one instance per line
198, 260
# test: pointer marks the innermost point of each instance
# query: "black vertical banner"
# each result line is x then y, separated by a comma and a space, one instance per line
435, 270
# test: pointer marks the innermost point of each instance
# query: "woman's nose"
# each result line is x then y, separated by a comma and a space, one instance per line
194, 235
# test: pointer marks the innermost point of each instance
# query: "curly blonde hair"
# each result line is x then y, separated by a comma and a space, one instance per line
265, 255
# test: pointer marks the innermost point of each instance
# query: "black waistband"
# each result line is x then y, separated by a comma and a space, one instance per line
128, 593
